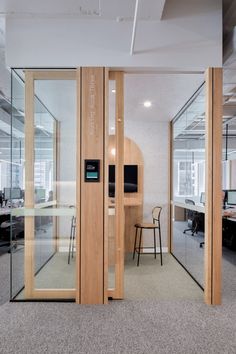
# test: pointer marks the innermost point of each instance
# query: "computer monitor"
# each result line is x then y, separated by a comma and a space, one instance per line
12, 193
40, 193
231, 197
202, 198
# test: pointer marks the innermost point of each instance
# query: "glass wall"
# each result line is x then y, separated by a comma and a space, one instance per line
188, 194
17, 183
51, 264
229, 131
229, 183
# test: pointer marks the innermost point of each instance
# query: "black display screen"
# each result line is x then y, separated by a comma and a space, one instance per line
130, 179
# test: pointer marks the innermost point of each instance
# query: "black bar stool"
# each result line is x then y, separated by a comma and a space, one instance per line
156, 212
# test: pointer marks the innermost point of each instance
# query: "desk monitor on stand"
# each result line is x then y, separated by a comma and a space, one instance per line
12, 193
202, 198
231, 197
40, 195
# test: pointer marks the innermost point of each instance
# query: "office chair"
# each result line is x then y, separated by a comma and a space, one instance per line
156, 213
192, 217
11, 231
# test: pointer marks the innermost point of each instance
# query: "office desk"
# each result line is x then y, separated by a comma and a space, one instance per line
228, 221
229, 229
5, 211
4, 225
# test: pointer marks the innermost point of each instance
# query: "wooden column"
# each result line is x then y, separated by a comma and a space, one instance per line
106, 181
119, 196
213, 207
170, 189
92, 193
78, 181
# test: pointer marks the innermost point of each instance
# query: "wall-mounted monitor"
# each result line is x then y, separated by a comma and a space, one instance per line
12, 193
231, 197
130, 179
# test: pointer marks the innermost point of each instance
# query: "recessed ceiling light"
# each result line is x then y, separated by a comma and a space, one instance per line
147, 104
112, 128
113, 91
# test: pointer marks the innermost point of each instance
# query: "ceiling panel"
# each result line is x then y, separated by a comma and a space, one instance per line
122, 10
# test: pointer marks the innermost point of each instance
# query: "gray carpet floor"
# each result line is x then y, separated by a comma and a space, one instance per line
155, 282
129, 326
4, 278
148, 281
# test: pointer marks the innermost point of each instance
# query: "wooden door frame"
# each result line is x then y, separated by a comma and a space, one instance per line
29, 259
213, 186
118, 291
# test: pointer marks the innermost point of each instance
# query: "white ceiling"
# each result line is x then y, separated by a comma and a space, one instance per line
121, 10
183, 34
167, 92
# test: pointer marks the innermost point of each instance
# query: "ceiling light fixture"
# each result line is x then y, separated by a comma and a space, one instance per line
147, 104
113, 91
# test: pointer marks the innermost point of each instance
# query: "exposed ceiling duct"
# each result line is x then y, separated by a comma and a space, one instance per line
229, 32
230, 49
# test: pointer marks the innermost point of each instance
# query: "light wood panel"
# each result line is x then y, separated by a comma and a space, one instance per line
54, 74
170, 184
170, 190
92, 194
119, 197
54, 186
29, 184
54, 294
57, 189
133, 202
78, 181
213, 207
106, 197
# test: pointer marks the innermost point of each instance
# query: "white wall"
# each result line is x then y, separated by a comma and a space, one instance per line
153, 140
189, 36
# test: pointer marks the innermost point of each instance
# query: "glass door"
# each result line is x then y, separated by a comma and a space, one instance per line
49, 190
115, 161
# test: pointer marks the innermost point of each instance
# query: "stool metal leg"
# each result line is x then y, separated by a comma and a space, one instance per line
136, 232
155, 246
71, 231
139, 248
160, 242
73, 241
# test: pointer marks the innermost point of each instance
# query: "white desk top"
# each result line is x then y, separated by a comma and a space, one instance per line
45, 209
231, 219
5, 211
197, 207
